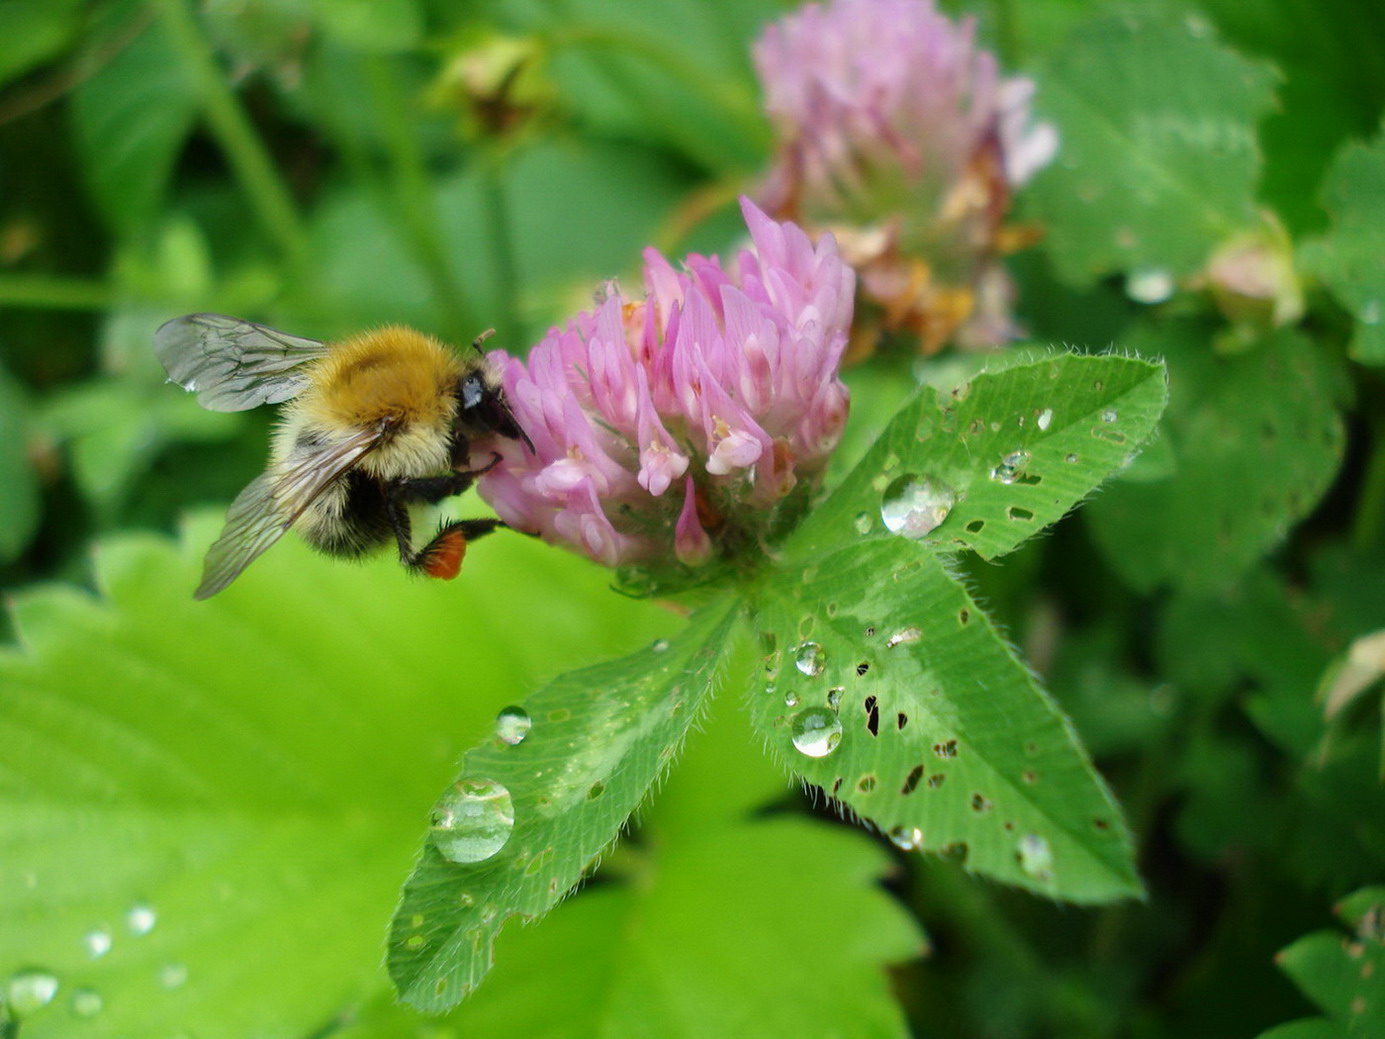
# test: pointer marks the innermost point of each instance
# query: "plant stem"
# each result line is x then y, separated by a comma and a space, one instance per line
414, 196
250, 161
502, 249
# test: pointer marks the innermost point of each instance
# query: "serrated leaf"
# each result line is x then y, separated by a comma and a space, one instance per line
1347, 259
130, 120
719, 922
1158, 161
890, 689
1258, 439
1015, 450
19, 503
252, 770
600, 738
1345, 976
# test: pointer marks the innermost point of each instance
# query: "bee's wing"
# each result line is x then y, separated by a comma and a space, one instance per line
233, 364
272, 501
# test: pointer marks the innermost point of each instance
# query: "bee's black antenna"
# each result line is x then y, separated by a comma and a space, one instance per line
476, 343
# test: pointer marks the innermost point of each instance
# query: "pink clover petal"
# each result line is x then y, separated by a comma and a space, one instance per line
690, 541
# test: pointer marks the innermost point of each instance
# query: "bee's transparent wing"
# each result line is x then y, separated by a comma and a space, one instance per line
272, 501
233, 364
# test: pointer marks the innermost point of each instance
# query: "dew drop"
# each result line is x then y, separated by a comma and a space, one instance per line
473, 820
914, 506
909, 838
97, 942
512, 724
140, 918
173, 975
811, 659
816, 731
902, 636
790, 699
86, 1002
29, 990
1045, 419
834, 696
1149, 285
1011, 467
1035, 856
659, 645
1109, 415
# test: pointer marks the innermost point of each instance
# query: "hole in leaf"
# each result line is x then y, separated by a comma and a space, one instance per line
870, 632
964, 617
975, 526
595, 790
955, 852
1027, 479
1017, 513
946, 750
1101, 824
837, 785
901, 719
936, 779
980, 803
862, 668
912, 780
872, 716
865, 784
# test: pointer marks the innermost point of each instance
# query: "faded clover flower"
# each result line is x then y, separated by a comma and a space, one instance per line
691, 424
900, 136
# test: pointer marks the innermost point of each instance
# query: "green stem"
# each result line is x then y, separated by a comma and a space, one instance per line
250, 161
414, 197
500, 236
42, 291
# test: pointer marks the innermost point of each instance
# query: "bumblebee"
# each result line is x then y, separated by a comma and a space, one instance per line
373, 424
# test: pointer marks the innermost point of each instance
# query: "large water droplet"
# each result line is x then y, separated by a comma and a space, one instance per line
140, 918
473, 820
914, 506
811, 659
1035, 856
29, 990
1149, 285
97, 942
87, 1002
816, 731
512, 724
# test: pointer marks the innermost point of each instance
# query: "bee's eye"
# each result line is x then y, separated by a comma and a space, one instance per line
473, 392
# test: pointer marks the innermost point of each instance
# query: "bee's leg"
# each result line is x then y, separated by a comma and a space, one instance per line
442, 557
396, 504
433, 489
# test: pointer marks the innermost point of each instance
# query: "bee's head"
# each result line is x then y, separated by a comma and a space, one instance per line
482, 407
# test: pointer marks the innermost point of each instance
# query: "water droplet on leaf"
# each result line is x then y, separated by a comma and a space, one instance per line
140, 918
473, 820
902, 636
1149, 285
811, 659
914, 506
512, 724
87, 1002
909, 838
29, 990
1011, 467
660, 646
1109, 415
97, 942
790, 699
1035, 856
816, 731
1045, 418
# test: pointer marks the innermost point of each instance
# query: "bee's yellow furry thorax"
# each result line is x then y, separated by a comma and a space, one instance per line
392, 372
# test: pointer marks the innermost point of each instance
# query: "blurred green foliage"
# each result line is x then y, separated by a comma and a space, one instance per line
206, 813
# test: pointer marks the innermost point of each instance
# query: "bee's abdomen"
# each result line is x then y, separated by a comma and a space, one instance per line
351, 520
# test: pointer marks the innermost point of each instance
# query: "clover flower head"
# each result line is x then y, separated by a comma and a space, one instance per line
686, 425
900, 135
